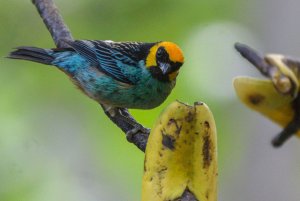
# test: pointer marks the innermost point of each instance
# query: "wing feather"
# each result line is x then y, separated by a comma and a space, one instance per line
109, 58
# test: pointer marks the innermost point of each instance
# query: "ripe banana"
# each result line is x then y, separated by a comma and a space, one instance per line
277, 98
181, 155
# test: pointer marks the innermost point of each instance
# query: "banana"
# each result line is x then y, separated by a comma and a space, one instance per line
261, 96
277, 97
181, 155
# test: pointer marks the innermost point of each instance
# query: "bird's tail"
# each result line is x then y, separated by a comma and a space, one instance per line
32, 54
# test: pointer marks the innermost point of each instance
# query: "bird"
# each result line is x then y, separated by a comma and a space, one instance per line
133, 75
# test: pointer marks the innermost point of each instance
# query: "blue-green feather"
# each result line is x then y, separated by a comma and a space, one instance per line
110, 73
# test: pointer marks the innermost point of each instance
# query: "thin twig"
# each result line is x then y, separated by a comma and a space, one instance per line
53, 21
60, 33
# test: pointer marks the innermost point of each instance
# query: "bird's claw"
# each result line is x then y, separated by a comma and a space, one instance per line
136, 130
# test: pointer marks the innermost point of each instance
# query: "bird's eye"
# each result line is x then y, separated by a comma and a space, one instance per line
161, 54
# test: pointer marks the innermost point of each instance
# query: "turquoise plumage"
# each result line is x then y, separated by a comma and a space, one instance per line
117, 74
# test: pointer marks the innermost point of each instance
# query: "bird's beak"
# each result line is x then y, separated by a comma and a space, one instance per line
165, 68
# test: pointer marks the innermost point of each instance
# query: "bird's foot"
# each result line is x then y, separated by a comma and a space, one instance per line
137, 129
109, 109
129, 125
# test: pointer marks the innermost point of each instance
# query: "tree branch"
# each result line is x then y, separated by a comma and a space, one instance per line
187, 196
60, 33
53, 21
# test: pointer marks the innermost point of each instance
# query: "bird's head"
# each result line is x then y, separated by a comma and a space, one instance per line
164, 60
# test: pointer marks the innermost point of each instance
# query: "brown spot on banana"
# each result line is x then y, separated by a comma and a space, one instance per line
189, 117
168, 141
181, 158
178, 128
206, 149
256, 99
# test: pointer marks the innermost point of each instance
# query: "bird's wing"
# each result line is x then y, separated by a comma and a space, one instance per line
109, 58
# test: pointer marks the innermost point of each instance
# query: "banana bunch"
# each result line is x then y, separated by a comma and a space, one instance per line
181, 155
276, 97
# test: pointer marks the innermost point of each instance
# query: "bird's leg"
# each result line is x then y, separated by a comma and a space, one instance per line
136, 127
108, 109
130, 126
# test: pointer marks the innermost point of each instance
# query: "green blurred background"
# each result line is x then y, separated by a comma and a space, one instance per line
56, 144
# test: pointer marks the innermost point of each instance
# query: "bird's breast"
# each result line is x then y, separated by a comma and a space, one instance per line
150, 95
146, 93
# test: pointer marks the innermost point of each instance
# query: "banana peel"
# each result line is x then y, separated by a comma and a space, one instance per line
277, 97
181, 155
261, 96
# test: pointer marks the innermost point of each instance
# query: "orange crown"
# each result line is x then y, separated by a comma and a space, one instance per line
175, 53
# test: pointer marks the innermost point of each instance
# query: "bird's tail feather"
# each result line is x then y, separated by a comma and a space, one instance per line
32, 54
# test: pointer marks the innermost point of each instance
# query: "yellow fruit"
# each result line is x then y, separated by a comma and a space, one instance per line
261, 96
277, 98
181, 155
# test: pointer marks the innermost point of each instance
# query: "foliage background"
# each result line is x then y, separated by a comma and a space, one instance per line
56, 144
